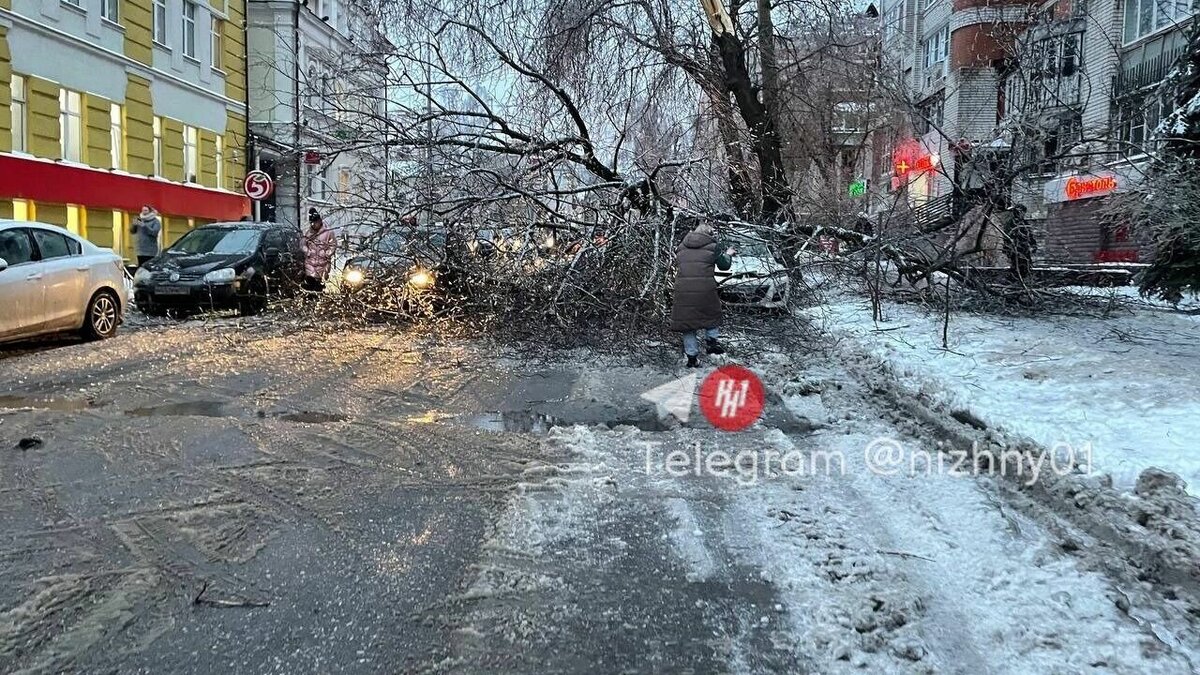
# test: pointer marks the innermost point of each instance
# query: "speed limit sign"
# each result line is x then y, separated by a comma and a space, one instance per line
258, 185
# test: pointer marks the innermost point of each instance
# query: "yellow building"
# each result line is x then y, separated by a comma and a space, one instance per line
109, 105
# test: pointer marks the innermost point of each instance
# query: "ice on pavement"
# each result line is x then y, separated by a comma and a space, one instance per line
851, 573
1125, 385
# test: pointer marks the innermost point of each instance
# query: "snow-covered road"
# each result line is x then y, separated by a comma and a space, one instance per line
608, 561
246, 498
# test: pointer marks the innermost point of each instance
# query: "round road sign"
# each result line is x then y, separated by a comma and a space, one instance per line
258, 185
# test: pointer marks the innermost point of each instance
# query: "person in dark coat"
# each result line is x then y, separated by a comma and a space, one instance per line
696, 306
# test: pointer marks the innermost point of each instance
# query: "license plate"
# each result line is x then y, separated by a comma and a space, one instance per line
172, 290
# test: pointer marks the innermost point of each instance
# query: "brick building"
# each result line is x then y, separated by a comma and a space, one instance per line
107, 105
948, 57
1088, 115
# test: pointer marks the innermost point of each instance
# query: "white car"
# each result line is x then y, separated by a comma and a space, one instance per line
52, 281
756, 278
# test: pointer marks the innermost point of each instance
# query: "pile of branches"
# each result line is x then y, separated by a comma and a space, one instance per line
561, 286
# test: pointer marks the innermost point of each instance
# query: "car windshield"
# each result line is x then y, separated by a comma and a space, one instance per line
217, 240
407, 243
751, 248
392, 242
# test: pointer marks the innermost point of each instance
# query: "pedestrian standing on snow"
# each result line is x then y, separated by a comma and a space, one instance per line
145, 230
696, 306
318, 245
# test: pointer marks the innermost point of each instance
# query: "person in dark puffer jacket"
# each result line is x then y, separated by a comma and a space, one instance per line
696, 306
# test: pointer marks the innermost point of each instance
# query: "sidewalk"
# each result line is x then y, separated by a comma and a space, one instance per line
1127, 385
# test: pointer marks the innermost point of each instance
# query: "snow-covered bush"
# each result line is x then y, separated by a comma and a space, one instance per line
1165, 210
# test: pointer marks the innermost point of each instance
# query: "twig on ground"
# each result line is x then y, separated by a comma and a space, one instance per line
211, 602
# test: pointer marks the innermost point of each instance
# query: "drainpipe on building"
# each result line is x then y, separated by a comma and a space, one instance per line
251, 146
296, 108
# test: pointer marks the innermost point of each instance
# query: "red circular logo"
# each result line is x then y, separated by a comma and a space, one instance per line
732, 398
258, 185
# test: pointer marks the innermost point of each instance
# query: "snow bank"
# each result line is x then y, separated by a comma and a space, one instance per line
1125, 386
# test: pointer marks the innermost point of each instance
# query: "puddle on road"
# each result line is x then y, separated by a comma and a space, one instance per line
226, 409
61, 404
529, 421
187, 408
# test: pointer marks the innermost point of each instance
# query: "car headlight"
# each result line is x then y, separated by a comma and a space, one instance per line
224, 275
420, 278
353, 276
142, 275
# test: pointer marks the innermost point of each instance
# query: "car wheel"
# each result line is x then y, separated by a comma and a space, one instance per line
103, 316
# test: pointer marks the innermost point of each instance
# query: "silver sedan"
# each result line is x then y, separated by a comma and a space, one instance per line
52, 281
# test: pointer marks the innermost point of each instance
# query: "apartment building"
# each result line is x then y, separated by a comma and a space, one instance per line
946, 57
108, 105
317, 99
1095, 103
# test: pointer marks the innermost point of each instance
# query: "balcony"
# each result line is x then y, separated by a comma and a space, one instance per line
1146, 67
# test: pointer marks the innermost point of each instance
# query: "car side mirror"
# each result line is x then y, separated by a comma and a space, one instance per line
3, 264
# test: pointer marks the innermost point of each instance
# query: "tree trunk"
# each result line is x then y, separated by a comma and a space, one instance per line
755, 112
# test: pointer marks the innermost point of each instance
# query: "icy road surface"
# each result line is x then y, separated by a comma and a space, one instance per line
218, 498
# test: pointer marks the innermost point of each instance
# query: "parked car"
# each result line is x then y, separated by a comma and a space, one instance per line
222, 266
756, 277
52, 281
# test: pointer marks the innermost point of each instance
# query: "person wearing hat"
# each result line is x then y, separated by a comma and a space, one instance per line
145, 229
319, 245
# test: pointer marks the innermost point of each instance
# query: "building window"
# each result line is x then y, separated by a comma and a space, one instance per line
893, 21
339, 100
218, 42
20, 111
343, 185
160, 21
1057, 144
190, 154
1143, 17
158, 147
73, 3
189, 29
70, 124
1138, 118
219, 158
937, 48
116, 119
314, 181
110, 10
931, 113
314, 92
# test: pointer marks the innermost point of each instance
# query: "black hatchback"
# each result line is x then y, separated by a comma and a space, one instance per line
221, 266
